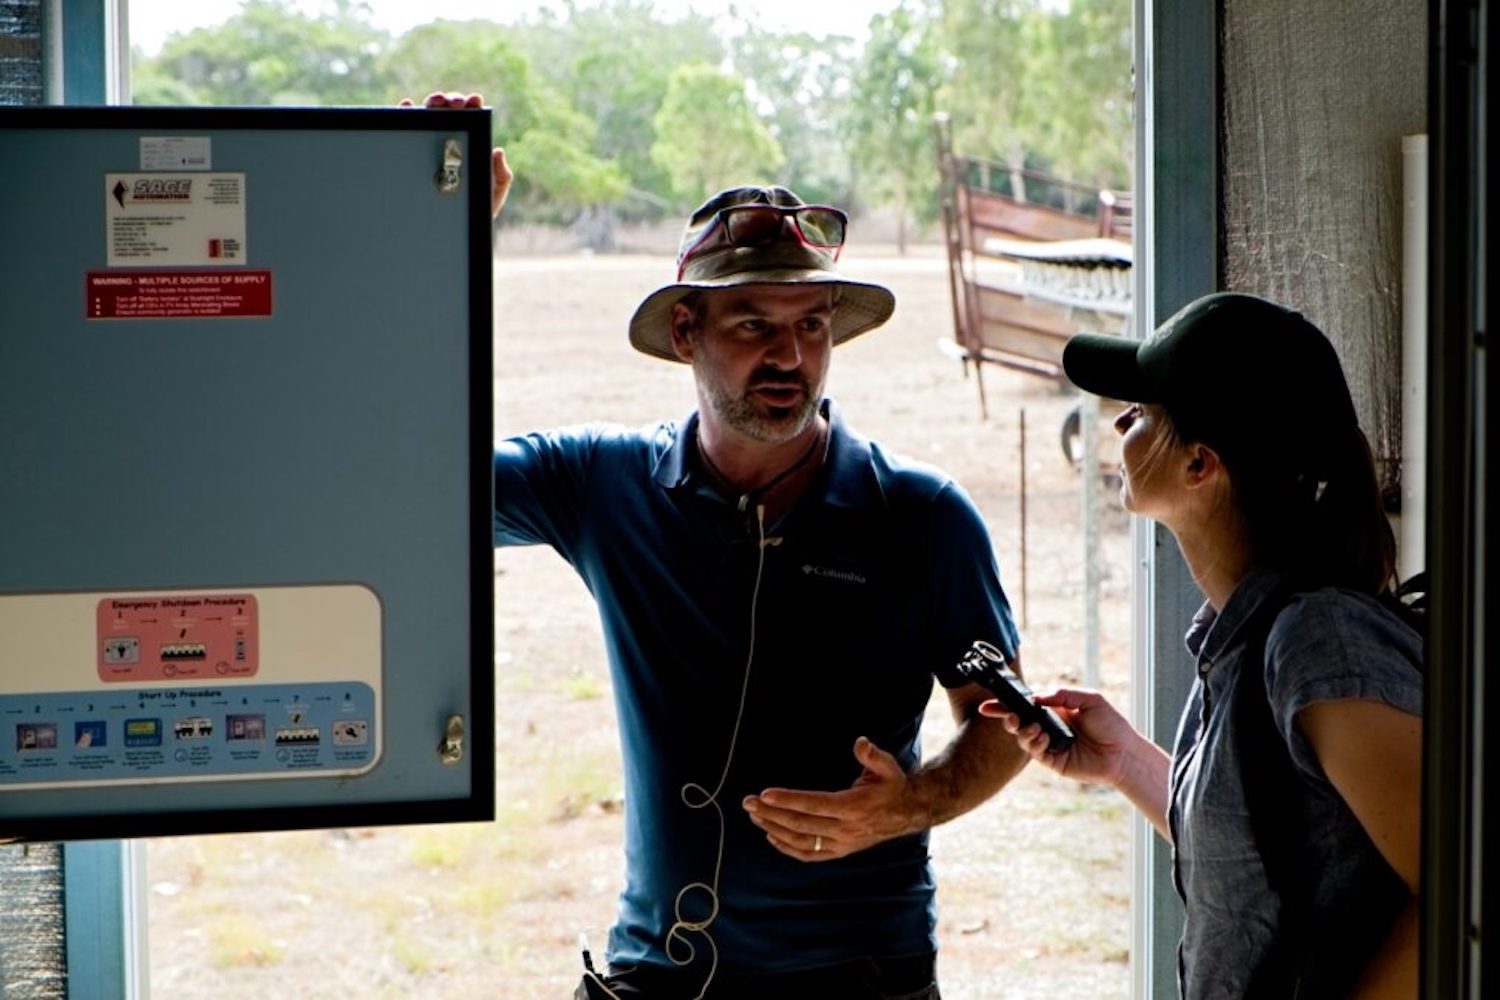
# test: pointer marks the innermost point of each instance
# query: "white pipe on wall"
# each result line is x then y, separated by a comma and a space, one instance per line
1411, 543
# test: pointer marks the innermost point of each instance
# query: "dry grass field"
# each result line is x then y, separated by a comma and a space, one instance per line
1034, 885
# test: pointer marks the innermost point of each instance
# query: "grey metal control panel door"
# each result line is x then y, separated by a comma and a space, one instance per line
245, 433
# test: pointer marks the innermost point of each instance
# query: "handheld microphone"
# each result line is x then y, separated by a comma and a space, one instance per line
986, 666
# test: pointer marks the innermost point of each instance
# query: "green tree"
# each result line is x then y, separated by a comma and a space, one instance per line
151, 84
1091, 134
890, 126
557, 153
708, 136
610, 108
989, 43
1040, 83
613, 61
800, 86
470, 57
550, 144
271, 53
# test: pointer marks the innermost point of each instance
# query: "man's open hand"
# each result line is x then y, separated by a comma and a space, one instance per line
821, 826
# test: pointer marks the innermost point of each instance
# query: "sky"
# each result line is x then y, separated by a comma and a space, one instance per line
151, 21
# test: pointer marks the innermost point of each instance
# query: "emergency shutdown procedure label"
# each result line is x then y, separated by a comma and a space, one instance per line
176, 219
176, 294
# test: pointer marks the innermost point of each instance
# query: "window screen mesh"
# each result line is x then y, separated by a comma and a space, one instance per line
1316, 98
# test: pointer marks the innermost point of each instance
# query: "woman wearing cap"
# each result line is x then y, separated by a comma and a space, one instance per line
1291, 798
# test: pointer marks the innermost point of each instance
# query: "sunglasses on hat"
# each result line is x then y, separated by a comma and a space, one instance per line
816, 226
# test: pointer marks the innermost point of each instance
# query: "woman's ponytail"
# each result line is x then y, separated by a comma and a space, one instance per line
1322, 524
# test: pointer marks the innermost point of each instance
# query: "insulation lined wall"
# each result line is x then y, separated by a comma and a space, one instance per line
20, 51
1316, 98
33, 963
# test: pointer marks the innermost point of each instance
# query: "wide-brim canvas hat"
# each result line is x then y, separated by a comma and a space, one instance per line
787, 260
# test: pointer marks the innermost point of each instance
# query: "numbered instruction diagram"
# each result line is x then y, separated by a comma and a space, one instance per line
188, 686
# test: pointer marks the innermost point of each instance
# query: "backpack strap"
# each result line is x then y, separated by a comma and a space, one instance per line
1409, 603
1267, 772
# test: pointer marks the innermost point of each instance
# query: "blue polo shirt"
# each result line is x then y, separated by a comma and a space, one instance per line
875, 583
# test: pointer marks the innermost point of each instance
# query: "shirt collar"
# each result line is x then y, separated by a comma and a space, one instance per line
674, 467
849, 479
1214, 631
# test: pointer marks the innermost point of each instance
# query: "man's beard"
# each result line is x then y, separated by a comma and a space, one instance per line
755, 418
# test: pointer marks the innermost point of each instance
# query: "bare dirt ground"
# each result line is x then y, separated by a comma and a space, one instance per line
1033, 885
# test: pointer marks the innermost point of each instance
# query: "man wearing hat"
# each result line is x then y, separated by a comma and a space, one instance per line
777, 595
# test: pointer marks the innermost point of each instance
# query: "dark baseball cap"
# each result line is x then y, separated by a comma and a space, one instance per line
1232, 370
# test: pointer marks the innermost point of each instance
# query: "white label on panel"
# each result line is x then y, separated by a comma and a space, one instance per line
149, 687
176, 152
180, 219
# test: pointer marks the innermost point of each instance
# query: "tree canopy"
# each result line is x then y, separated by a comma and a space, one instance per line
708, 137
613, 109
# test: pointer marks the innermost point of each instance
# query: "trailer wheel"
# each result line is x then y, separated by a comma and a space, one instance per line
1072, 435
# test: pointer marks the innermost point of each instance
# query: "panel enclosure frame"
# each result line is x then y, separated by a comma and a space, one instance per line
422, 549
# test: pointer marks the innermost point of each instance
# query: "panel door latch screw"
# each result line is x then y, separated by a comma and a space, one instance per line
451, 749
451, 172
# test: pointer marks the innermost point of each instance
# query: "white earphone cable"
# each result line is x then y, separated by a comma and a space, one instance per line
695, 796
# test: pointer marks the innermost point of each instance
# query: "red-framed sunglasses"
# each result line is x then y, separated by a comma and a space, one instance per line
818, 226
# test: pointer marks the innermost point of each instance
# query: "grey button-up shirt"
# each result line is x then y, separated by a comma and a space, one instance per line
1325, 645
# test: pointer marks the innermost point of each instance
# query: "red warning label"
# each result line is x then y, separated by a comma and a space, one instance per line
192, 635
177, 294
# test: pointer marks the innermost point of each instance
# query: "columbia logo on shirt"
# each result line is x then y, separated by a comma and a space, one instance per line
848, 576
